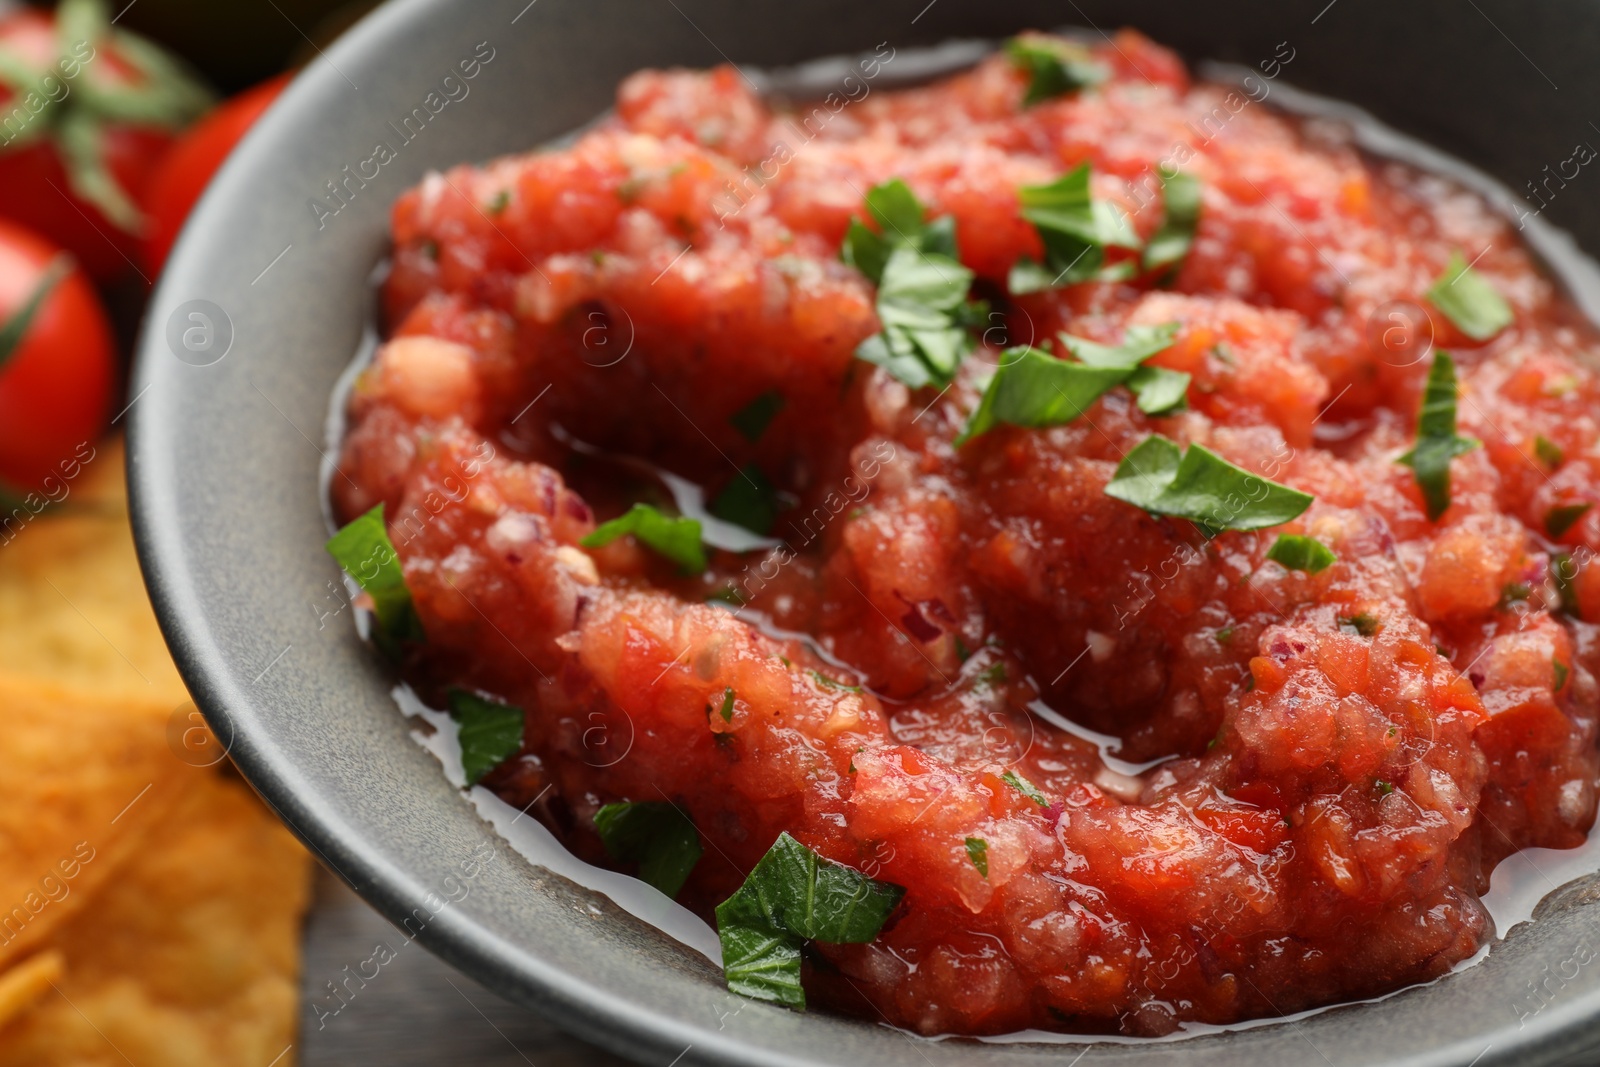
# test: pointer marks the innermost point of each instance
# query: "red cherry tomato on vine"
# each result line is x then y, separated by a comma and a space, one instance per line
56, 361
89, 109
188, 166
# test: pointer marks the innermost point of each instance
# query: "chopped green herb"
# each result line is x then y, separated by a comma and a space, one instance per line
1224, 354
1384, 788
488, 731
1437, 441
1362, 624
1558, 520
1513, 592
1054, 67
793, 896
660, 838
749, 500
1548, 452
963, 653
1076, 230
1180, 195
729, 595
430, 249
753, 419
831, 683
726, 711
1224, 635
498, 202
1026, 788
1160, 391
365, 552
1561, 674
992, 675
978, 853
1469, 301
676, 538
1199, 485
1564, 572
1297, 552
922, 288
1033, 389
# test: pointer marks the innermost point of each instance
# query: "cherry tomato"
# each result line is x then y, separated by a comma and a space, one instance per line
187, 168
56, 360
89, 110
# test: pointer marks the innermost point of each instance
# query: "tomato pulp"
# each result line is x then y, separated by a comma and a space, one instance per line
1329, 764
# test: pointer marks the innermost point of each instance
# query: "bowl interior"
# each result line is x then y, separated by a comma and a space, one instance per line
228, 432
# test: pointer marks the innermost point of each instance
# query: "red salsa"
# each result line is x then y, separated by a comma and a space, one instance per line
1333, 721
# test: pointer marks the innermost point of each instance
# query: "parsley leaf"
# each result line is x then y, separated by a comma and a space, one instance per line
1180, 195
753, 419
831, 683
676, 538
978, 853
1026, 788
1033, 389
1558, 520
489, 732
749, 500
922, 288
1437, 441
1076, 230
1054, 67
365, 552
660, 838
793, 896
1469, 301
1199, 485
1297, 552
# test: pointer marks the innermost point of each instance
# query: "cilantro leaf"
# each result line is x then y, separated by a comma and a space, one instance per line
1054, 67
489, 732
362, 547
748, 500
1562, 671
676, 538
660, 838
1558, 520
753, 419
1469, 301
1026, 788
1076, 230
1548, 451
1437, 441
793, 896
1297, 552
1180, 195
1199, 485
978, 853
1031, 388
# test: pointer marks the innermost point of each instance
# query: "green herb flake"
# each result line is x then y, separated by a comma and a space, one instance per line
1469, 301
749, 500
1437, 440
1076, 230
1180, 194
1559, 519
978, 853
1362, 624
1561, 674
1297, 552
1513, 592
365, 552
1026, 788
726, 710
753, 419
676, 538
1224, 635
963, 653
1199, 485
831, 683
488, 731
1563, 573
922, 288
660, 838
993, 675
1384, 788
791, 897
728, 594
1159, 391
498, 202
1033, 389
1054, 67
1549, 453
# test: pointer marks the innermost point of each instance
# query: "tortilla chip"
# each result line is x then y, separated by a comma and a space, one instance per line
72, 603
27, 982
191, 957
82, 780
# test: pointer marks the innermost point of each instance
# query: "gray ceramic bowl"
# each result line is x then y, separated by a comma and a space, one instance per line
228, 431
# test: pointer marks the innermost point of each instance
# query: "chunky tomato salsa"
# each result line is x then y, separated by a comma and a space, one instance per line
1066, 546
